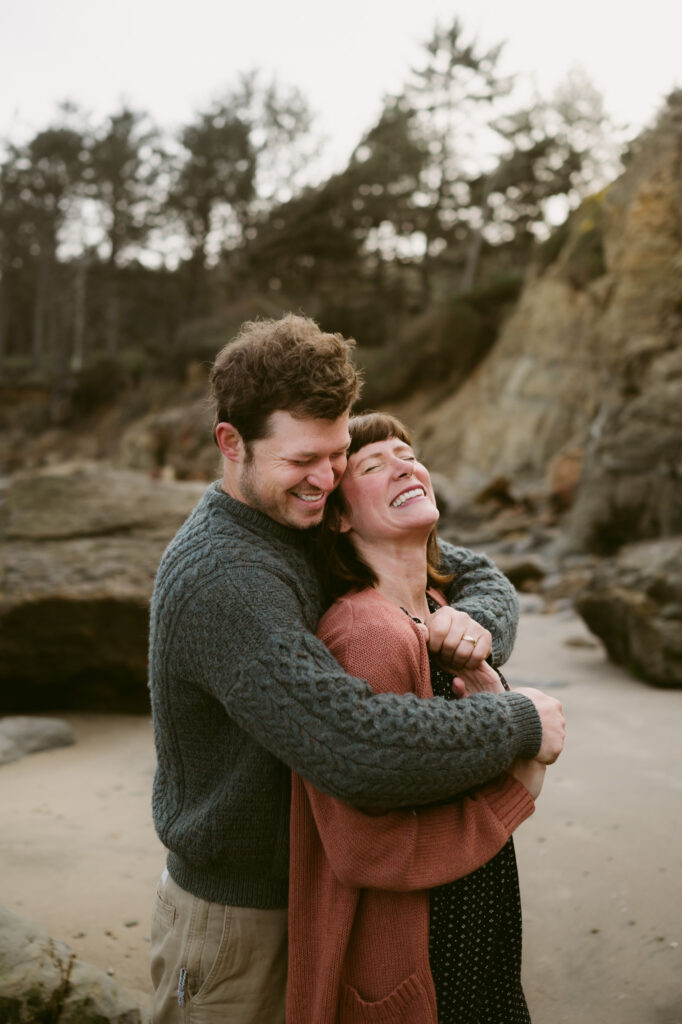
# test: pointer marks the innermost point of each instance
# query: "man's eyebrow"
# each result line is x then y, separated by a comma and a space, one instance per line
316, 455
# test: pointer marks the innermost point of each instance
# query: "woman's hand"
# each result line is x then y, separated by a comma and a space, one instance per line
457, 640
530, 774
483, 679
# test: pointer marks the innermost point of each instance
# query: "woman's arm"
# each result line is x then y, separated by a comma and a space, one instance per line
417, 849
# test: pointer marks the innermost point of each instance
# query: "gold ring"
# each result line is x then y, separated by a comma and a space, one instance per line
471, 639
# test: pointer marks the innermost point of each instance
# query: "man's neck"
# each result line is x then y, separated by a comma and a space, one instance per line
230, 482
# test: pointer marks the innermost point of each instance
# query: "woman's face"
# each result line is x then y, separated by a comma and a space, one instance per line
386, 493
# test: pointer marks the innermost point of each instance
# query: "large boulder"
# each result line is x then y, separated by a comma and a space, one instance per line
79, 548
633, 603
42, 982
21, 735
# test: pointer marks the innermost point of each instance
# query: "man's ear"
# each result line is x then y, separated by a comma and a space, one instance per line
230, 442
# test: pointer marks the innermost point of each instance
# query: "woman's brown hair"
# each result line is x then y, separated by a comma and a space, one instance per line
342, 567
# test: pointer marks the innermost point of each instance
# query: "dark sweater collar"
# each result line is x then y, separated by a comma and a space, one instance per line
254, 520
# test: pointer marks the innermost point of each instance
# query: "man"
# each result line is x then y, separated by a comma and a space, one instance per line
242, 691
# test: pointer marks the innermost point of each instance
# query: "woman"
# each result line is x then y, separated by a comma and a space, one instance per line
413, 915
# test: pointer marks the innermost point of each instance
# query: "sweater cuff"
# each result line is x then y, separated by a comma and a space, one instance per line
526, 723
510, 801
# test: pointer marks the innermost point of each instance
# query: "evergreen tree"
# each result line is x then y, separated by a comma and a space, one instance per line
124, 166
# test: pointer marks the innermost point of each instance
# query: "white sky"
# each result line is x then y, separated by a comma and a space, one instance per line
171, 58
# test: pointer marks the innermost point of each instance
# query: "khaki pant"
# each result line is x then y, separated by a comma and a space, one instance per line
213, 964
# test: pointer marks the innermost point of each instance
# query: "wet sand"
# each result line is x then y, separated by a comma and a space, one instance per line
599, 861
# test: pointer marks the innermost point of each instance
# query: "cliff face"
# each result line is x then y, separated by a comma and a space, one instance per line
591, 357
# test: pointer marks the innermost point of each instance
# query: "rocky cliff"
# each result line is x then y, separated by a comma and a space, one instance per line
591, 359
583, 394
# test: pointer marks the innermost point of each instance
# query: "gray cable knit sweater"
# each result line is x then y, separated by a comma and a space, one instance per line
242, 691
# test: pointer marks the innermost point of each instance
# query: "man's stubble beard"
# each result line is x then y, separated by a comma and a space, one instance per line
252, 497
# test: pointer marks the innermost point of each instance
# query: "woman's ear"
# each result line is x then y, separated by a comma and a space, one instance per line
342, 524
337, 521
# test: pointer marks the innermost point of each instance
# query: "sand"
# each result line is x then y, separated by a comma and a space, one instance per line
599, 861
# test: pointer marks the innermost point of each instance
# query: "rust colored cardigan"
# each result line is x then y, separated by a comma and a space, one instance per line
358, 884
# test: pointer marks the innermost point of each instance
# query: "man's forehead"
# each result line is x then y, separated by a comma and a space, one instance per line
306, 436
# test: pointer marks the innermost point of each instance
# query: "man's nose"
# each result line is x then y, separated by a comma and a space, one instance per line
322, 475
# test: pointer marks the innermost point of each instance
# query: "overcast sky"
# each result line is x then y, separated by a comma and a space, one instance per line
170, 58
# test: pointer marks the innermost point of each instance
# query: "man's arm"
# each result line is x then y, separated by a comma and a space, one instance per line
241, 637
482, 591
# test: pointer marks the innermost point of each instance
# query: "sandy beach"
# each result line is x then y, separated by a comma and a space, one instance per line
599, 861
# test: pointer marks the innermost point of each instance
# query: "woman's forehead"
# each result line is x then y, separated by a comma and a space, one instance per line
390, 444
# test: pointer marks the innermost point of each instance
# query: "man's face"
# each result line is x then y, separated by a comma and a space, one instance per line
289, 474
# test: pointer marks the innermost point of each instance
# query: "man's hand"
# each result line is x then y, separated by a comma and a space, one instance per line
483, 679
530, 774
457, 640
553, 724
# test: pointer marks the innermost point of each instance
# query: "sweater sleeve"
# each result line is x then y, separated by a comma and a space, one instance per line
482, 591
241, 638
411, 850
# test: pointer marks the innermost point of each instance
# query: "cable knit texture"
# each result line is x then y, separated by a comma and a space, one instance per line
242, 690
485, 594
359, 902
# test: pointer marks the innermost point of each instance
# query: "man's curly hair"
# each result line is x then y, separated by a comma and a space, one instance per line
287, 364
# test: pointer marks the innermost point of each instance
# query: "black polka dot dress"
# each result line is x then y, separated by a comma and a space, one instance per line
475, 933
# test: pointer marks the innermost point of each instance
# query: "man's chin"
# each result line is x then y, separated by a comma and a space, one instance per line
307, 513
305, 519
307, 522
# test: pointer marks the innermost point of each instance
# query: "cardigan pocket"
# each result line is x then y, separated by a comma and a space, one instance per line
413, 1001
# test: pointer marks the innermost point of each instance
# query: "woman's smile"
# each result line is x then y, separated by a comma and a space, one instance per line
409, 495
383, 478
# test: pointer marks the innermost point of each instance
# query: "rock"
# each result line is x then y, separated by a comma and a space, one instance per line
563, 476
633, 603
525, 571
498, 492
177, 441
570, 577
42, 982
21, 735
632, 478
79, 548
80, 500
508, 419
498, 518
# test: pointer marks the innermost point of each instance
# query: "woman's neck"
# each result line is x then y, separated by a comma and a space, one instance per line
401, 574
